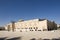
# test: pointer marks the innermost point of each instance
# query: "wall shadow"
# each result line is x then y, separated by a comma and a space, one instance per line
33, 39
55, 38
15, 38
3, 38
45, 39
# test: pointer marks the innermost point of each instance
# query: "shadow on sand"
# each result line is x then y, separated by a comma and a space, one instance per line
19, 38
15, 38
3, 38
45, 39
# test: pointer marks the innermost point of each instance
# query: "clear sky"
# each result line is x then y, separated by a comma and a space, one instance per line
13, 10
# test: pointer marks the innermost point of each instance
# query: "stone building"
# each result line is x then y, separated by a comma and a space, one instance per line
2, 28
31, 25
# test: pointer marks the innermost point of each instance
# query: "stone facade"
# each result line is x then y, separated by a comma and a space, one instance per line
32, 25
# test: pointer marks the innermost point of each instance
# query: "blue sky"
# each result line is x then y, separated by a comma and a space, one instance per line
13, 10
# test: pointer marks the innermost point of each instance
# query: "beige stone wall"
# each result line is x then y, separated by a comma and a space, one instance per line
7, 26
40, 25
32, 25
43, 25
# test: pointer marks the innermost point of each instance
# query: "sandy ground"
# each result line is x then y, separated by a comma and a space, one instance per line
30, 35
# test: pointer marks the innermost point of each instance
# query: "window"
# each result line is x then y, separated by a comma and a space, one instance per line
35, 29
39, 30
30, 27
20, 30
32, 30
